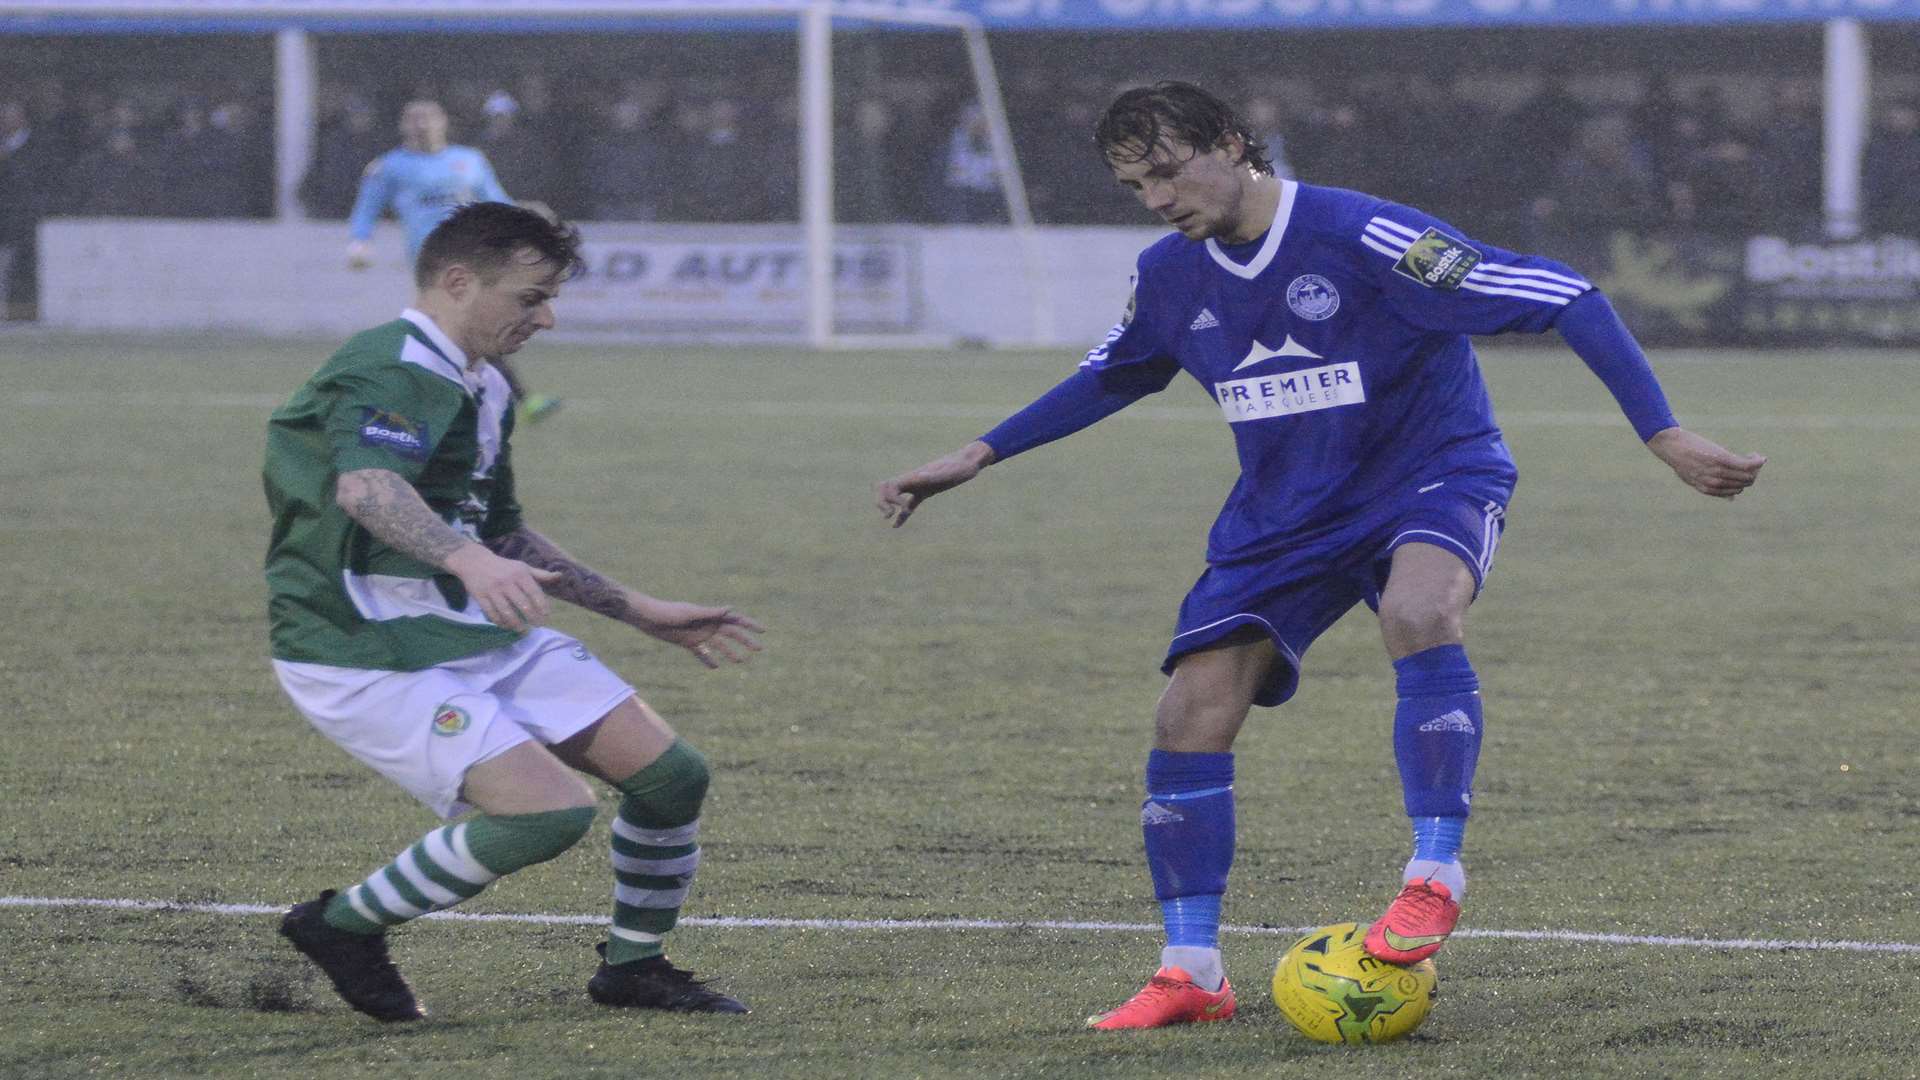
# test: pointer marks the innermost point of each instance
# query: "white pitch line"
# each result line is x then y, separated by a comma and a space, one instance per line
743, 923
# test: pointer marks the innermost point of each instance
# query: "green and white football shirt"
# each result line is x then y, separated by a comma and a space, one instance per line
398, 397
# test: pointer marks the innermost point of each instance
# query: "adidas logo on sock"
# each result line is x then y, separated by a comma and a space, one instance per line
1204, 321
1450, 721
1155, 814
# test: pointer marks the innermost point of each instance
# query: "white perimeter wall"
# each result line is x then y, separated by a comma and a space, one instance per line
646, 282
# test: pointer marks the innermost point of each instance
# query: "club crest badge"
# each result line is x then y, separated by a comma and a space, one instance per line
1313, 297
450, 720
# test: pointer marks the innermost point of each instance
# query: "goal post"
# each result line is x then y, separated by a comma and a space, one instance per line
816, 20
817, 209
296, 83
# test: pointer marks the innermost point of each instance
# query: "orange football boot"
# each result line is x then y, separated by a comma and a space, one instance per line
1170, 997
1416, 923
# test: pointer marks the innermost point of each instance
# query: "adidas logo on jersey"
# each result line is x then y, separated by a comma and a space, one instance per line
1450, 721
1204, 321
1155, 814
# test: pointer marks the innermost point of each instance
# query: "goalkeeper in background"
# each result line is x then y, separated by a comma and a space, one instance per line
423, 180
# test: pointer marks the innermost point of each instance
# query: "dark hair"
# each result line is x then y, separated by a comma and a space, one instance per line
1181, 112
486, 235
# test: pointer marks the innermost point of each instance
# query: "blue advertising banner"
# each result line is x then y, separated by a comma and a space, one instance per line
1356, 14
25, 16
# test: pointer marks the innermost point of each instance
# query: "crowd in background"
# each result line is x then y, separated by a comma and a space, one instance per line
918, 150
1503, 156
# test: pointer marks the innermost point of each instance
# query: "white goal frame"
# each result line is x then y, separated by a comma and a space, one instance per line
816, 154
296, 83
296, 114
816, 19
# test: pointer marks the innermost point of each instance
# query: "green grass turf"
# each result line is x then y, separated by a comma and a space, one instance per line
1701, 724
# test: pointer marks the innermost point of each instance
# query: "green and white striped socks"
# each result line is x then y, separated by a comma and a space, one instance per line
454, 863
654, 853
654, 858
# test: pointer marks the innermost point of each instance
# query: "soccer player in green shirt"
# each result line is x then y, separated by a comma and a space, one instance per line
407, 597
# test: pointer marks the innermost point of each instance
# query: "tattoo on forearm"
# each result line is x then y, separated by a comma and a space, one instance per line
578, 584
388, 507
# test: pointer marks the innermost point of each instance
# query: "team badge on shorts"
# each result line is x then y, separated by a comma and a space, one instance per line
1313, 297
450, 720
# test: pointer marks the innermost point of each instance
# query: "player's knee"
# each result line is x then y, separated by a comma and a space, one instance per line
1207, 700
1414, 623
1196, 725
504, 843
570, 826
670, 790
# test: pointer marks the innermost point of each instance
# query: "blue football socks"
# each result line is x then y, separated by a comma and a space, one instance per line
1438, 838
1436, 854
1187, 820
1436, 742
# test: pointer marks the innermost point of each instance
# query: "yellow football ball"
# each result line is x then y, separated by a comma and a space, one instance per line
1327, 986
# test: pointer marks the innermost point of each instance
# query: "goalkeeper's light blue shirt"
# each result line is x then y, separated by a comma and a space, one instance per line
1336, 350
422, 189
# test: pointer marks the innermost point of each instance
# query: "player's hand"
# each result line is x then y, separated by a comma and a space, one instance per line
359, 255
507, 590
1705, 465
711, 634
899, 497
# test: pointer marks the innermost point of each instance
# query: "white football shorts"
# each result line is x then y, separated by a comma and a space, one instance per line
424, 729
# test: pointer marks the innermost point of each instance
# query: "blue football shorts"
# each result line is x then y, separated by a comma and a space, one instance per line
1294, 595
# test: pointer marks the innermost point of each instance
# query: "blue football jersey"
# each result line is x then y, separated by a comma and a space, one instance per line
1336, 349
422, 189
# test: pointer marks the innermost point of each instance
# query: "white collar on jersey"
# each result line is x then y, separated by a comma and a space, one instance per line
438, 336
1281, 215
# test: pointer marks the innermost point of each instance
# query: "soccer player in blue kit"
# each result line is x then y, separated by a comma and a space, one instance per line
1331, 329
424, 180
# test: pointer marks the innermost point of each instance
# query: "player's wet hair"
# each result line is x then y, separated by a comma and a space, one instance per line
485, 236
1139, 119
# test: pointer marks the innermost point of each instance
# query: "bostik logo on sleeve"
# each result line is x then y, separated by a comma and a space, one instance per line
393, 432
1438, 261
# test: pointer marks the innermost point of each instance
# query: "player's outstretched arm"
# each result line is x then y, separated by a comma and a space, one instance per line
899, 497
711, 634
1704, 465
1594, 330
383, 503
1083, 398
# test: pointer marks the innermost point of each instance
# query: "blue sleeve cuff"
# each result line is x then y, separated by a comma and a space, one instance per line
1081, 400
1594, 331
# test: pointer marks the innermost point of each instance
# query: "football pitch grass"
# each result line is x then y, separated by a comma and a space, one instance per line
1700, 733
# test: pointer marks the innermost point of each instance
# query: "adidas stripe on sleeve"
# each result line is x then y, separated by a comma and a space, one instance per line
1136, 338
1438, 279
